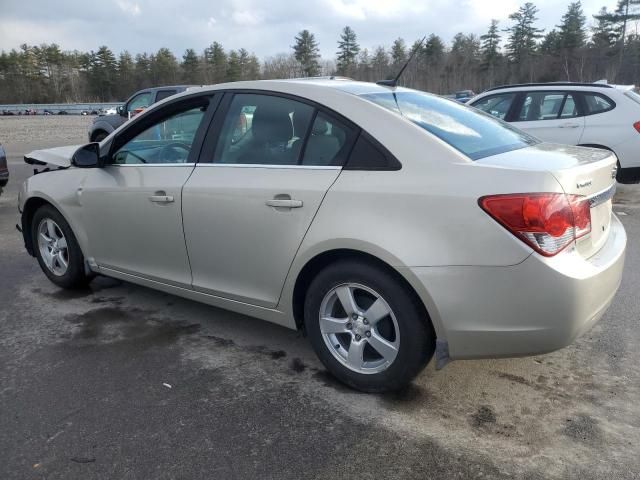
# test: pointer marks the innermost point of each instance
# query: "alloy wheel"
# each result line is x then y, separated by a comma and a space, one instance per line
53, 247
359, 328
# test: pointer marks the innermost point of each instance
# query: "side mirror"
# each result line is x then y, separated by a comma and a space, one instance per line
121, 110
87, 156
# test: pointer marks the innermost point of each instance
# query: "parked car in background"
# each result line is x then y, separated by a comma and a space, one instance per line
4, 168
463, 96
377, 219
105, 124
592, 115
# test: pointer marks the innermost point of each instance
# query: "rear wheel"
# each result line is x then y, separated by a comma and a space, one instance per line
366, 327
57, 249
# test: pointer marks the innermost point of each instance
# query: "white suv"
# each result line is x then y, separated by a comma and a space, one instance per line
590, 115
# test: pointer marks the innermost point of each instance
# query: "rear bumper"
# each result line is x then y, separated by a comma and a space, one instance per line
537, 306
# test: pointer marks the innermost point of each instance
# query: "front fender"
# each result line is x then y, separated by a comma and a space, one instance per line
62, 189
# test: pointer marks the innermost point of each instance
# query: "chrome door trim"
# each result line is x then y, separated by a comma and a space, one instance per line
259, 165
150, 165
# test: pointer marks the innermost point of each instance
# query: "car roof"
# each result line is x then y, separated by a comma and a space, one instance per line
305, 86
550, 85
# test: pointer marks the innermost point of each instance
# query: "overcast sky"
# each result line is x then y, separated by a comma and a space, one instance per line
262, 27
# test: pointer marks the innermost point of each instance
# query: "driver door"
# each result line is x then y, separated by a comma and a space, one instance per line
132, 207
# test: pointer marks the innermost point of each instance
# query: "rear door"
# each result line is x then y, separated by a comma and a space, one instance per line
263, 173
551, 116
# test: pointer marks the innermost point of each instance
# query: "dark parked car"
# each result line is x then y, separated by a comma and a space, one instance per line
463, 96
4, 169
105, 124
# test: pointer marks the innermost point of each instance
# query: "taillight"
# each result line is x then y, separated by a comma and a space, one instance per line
637, 126
547, 222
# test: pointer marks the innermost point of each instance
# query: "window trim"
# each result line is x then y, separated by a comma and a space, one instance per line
215, 129
139, 124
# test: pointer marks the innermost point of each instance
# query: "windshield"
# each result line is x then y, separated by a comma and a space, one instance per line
470, 131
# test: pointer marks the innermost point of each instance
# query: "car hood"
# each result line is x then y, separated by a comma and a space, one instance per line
59, 156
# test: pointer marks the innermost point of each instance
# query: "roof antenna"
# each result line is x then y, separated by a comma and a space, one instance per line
394, 83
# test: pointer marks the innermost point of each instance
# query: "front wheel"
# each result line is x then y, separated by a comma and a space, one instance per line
366, 327
57, 249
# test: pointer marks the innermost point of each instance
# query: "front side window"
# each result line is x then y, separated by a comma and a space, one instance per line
263, 129
496, 105
597, 103
475, 134
139, 102
168, 141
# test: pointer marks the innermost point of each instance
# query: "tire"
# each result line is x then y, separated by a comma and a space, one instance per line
369, 286
73, 275
99, 136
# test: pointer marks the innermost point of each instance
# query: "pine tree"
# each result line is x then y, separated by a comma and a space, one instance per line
190, 67
233, 67
490, 50
126, 76
348, 50
143, 71
380, 64
523, 36
307, 53
572, 33
164, 67
603, 33
215, 64
398, 53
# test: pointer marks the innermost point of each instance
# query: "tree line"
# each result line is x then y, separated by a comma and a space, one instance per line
609, 47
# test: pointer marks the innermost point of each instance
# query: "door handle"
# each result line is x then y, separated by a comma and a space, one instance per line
570, 125
284, 203
161, 198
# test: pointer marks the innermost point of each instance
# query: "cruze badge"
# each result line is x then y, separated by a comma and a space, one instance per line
584, 184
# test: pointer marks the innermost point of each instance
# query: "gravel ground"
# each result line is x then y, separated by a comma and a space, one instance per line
83, 394
19, 132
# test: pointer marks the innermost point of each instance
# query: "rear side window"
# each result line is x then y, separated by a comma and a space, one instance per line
597, 103
162, 94
539, 106
472, 132
327, 143
496, 105
368, 155
263, 130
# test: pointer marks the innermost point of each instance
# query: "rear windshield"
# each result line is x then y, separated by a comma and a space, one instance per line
474, 133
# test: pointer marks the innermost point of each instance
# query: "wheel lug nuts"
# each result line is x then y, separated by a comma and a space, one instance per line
349, 326
368, 333
358, 337
354, 316
365, 321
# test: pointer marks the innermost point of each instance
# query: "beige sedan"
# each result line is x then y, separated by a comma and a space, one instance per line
386, 223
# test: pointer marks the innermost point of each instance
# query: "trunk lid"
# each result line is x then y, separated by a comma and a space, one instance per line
580, 171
